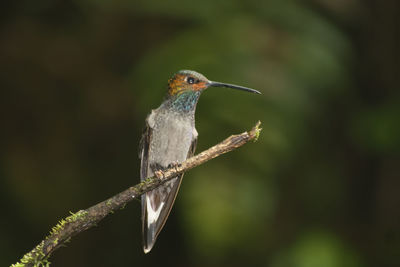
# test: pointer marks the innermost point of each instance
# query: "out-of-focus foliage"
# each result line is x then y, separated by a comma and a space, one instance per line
319, 188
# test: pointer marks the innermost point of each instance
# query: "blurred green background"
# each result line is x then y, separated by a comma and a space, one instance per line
319, 188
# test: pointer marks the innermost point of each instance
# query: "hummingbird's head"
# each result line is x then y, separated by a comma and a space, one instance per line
185, 87
191, 81
186, 80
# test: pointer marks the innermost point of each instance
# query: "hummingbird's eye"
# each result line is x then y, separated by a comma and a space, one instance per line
191, 80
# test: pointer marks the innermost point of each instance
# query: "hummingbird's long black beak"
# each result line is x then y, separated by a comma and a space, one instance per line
233, 86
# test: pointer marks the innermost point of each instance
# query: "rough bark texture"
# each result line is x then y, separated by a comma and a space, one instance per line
85, 219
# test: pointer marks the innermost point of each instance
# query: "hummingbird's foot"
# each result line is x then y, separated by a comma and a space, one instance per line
159, 174
174, 165
158, 170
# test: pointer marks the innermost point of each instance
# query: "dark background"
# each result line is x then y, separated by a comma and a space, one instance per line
319, 188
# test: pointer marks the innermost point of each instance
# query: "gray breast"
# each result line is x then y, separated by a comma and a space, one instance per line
172, 137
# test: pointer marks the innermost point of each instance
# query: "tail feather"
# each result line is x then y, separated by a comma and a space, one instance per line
156, 206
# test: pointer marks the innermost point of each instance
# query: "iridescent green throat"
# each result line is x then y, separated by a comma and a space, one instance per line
184, 102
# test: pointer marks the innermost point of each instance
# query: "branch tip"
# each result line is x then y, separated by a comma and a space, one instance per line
255, 132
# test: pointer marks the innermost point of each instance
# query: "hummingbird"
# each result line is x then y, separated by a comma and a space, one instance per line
169, 138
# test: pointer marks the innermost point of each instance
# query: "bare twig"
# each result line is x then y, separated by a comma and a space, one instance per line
85, 219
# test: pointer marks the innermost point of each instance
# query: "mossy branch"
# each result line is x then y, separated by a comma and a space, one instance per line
85, 219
